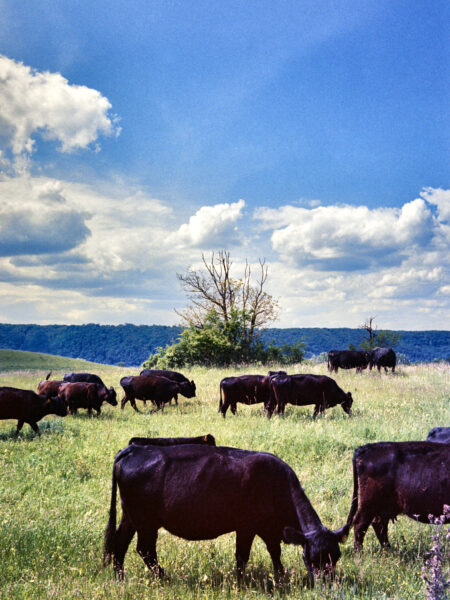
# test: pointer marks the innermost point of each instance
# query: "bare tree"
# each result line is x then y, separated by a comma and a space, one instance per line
371, 330
213, 288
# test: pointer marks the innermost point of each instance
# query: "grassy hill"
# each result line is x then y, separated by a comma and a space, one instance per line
14, 360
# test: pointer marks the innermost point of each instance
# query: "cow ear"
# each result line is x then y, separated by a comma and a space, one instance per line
342, 533
293, 536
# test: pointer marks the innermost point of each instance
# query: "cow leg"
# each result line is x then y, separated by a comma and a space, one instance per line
133, 404
361, 523
274, 549
19, 426
146, 546
123, 537
244, 542
98, 411
223, 409
90, 412
123, 402
233, 408
380, 526
34, 427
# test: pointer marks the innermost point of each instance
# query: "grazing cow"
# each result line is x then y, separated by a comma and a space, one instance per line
383, 357
173, 376
91, 378
395, 478
248, 389
348, 359
302, 390
86, 395
49, 388
157, 389
28, 407
199, 492
440, 435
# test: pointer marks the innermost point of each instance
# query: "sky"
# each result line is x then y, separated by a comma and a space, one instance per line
136, 136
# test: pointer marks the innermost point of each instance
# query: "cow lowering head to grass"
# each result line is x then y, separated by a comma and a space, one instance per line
28, 407
199, 492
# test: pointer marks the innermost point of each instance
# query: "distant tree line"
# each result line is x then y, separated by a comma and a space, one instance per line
133, 344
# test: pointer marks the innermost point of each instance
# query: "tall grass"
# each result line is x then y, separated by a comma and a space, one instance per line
55, 491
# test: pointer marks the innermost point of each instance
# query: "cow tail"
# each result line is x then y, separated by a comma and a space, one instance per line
47, 378
354, 504
110, 531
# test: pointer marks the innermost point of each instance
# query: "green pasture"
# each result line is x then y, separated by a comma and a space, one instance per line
55, 489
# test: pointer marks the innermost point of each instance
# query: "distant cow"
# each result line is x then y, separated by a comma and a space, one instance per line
348, 359
302, 390
173, 376
159, 390
50, 388
28, 407
247, 389
439, 434
86, 395
199, 492
383, 357
395, 478
91, 378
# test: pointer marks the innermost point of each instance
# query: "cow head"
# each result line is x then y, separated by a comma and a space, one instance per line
56, 406
321, 549
112, 396
187, 389
347, 403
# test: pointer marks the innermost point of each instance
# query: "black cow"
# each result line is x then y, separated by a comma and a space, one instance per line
146, 441
159, 390
28, 407
383, 357
85, 395
199, 492
248, 389
394, 478
348, 359
173, 376
440, 435
91, 378
302, 390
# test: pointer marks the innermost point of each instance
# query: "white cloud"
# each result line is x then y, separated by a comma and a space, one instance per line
212, 226
45, 103
347, 237
440, 198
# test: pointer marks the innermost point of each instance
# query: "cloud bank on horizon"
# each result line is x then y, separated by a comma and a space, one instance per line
74, 251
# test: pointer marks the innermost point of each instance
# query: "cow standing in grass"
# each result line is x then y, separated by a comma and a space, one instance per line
157, 389
199, 492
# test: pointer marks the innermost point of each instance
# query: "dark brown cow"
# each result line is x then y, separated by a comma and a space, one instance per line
398, 478
157, 389
348, 359
85, 395
247, 389
90, 378
383, 357
49, 388
200, 439
199, 492
173, 376
302, 390
28, 407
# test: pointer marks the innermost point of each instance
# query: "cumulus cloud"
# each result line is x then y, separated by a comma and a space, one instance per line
348, 237
212, 226
45, 103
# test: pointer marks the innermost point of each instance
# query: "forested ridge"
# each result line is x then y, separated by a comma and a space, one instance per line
132, 344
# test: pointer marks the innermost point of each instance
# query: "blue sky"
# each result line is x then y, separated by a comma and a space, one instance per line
135, 136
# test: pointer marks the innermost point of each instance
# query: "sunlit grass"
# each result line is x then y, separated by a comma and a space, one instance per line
55, 491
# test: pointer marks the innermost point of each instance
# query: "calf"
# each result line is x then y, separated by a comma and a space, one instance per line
248, 389
157, 389
398, 478
85, 395
302, 390
199, 492
28, 407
